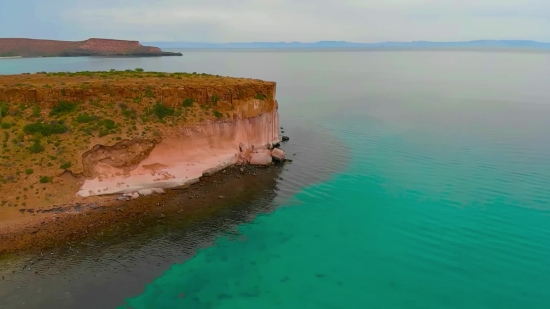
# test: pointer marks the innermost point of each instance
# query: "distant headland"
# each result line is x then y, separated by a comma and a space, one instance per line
22, 47
479, 44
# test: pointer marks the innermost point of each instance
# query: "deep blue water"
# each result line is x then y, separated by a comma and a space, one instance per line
420, 181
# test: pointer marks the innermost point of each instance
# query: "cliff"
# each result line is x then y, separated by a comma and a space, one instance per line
68, 136
10, 47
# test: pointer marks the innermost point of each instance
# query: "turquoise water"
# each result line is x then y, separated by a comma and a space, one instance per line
439, 200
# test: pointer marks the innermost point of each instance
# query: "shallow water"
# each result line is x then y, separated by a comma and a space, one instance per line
419, 181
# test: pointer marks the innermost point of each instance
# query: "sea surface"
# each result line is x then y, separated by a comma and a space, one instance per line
420, 180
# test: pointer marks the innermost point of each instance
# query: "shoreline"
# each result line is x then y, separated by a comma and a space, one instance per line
73, 222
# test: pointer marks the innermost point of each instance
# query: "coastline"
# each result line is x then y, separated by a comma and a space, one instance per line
90, 141
73, 223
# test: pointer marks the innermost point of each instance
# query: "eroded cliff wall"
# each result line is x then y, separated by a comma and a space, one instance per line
118, 132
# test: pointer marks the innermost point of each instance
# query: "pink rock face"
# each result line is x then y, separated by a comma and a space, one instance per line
261, 158
183, 158
278, 154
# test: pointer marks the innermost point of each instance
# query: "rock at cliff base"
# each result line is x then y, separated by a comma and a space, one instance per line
145, 192
285, 138
158, 190
135, 195
262, 158
278, 155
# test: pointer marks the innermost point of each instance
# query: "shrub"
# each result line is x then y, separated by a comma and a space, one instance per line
215, 99
139, 70
162, 111
46, 129
65, 165
3, 109
188, 102
63, 108
149, 92
260, 96
29, 171
109, 124
45, 179
6, 125
217, 114
36, 147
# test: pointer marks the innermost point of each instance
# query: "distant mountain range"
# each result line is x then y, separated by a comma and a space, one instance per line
522, 44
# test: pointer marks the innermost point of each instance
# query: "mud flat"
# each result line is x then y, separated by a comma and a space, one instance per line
73, 142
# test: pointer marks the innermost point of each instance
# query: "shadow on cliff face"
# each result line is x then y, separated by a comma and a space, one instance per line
170, 229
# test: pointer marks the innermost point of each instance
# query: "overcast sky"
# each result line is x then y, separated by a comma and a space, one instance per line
277, 20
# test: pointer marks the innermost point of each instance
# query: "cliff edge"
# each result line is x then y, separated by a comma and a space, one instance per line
69, 136
13, 47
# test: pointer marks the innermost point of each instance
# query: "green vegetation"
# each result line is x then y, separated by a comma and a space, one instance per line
214, 99
29, 171
260, 96
65, 165
46, 179
36, 147
6, 125
188, 102
45, 129
85, 118
217, 114
162, 111
63, 108
149, 92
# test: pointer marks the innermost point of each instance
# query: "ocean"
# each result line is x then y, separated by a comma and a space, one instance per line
419, 180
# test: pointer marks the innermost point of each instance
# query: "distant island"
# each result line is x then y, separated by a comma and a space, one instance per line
22, 47
479, 44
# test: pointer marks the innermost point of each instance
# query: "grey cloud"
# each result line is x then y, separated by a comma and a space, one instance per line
297, 20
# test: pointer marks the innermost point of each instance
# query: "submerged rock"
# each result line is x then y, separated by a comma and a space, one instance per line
285, 138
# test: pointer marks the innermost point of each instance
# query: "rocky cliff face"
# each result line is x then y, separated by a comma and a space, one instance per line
116, 132
91, 47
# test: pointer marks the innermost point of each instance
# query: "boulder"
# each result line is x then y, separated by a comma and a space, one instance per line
262, 158
158, 190
278, 155
285, 138
145, 192
135, 195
